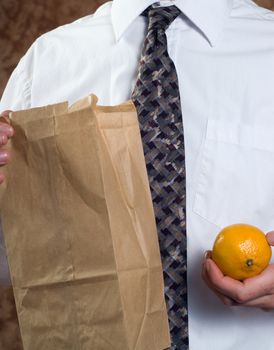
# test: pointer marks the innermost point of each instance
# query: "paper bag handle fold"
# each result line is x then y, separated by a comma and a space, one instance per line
89, 101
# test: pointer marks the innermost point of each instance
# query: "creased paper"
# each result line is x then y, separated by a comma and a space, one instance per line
80, 231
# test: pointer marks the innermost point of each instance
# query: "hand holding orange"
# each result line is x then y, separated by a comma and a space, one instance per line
241, 251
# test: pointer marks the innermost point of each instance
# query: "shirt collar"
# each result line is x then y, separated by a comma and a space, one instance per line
208, 15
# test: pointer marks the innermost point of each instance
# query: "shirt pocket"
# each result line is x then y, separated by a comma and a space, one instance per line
236, 176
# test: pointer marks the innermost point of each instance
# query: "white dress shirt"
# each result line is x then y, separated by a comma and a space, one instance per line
223, 51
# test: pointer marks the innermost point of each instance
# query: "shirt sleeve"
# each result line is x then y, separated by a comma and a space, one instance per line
16, 96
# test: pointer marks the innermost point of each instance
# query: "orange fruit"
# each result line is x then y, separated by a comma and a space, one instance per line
241, 251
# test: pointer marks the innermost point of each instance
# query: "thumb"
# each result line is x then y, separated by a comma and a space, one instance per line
270, 237
4, 116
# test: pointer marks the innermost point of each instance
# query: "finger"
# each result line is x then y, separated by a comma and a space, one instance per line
266, 302
223, 284
224, 299
5, 123
6, 128
3, 139
260, 285
270, 237
241, 292
4, 157
6, 114
207, 255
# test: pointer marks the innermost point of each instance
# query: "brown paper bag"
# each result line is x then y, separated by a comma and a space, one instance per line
80, 231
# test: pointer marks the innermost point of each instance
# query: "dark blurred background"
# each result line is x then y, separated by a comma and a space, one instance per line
21, 22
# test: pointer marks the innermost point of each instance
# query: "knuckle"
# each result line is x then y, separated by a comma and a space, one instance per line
4, 157
6, 129
4, 153
240, 298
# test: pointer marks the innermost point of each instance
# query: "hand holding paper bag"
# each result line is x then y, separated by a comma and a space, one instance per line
83, 250
6, 132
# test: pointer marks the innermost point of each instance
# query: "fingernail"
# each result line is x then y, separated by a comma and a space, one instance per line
207, 254
4, 139
3, 157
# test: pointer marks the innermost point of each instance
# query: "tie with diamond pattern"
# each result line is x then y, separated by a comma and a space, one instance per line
157, 100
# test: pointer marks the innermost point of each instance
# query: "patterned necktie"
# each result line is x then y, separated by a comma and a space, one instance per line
157, 100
